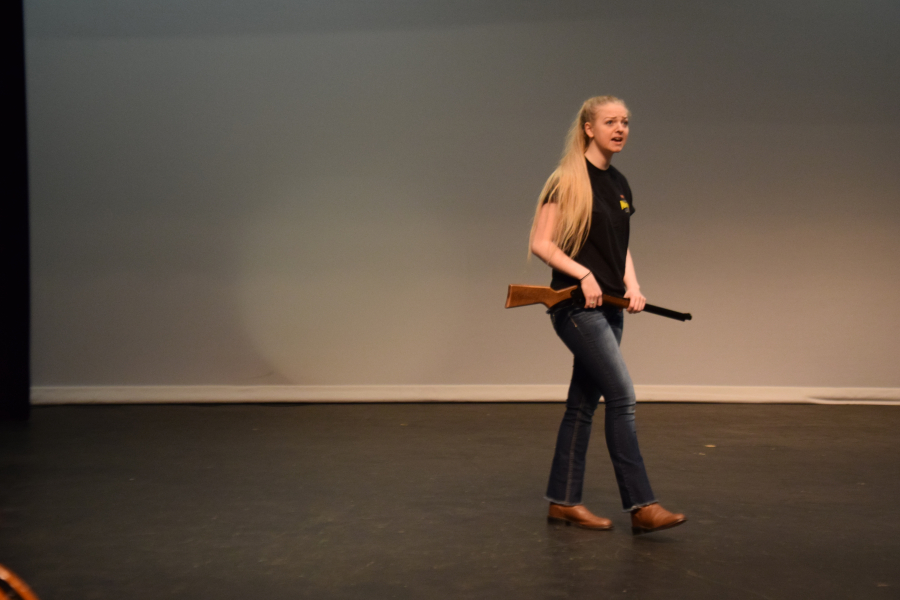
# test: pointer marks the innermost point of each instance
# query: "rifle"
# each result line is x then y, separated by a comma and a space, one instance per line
523, 295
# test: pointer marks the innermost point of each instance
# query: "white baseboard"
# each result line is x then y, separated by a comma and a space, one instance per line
138, 394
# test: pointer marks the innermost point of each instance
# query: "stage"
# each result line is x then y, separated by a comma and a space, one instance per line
443, 501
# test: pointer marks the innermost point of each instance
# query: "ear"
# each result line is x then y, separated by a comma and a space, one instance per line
589, 130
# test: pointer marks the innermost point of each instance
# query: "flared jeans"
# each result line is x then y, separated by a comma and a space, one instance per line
593, 336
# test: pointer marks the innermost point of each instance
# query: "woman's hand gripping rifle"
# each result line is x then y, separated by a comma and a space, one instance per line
524, 295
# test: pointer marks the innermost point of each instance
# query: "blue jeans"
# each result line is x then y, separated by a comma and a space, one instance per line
593, 336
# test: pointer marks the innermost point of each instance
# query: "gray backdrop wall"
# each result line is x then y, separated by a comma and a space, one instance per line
338, 192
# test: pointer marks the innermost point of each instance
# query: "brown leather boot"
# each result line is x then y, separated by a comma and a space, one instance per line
578, 516
654, 518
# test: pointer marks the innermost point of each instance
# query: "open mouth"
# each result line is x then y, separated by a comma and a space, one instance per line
617, 139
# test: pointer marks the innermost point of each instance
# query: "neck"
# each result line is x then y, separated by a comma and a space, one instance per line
598, 158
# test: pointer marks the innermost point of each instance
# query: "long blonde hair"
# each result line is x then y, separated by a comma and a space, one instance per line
569, 185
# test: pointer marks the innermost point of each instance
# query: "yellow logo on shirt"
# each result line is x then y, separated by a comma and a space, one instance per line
624, 204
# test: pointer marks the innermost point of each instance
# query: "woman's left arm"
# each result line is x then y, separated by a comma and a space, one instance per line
636, 300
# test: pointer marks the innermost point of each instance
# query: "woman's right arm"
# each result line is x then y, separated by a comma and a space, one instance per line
543, 246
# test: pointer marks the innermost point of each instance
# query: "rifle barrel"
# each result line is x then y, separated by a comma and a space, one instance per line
650, 308
665, 312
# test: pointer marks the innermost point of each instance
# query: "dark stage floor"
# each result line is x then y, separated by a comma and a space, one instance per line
443, 501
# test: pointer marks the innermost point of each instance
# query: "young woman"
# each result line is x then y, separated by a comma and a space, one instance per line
581, 229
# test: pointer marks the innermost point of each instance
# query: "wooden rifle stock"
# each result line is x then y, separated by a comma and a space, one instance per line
524, 295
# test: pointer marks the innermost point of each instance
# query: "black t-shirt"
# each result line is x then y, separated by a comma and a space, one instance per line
606, 245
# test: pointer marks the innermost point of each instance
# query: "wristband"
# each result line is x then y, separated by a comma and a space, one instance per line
585, 277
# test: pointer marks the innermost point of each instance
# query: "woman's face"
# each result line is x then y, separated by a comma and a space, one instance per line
609, 129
